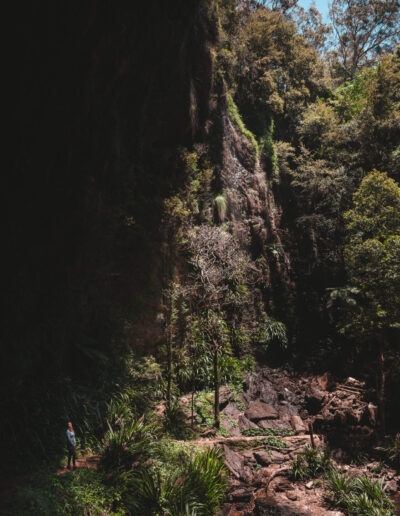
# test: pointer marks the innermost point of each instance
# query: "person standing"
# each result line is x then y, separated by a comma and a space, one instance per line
71, 443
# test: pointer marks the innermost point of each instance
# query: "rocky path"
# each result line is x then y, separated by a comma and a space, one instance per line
275, 402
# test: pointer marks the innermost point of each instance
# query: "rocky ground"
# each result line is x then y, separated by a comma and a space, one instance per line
300, 411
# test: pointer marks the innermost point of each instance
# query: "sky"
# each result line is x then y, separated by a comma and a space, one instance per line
322, 6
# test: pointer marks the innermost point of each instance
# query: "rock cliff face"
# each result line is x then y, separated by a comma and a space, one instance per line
105, 94
253, 211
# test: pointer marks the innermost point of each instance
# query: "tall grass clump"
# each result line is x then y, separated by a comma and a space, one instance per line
360, 496
310, 463
221, 207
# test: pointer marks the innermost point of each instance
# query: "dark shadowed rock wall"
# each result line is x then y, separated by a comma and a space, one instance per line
105, 93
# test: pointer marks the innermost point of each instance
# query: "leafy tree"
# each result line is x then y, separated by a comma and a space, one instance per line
363, 30
273, 69
372, 261
215, 283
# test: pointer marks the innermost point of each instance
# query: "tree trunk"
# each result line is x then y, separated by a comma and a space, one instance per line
381, 392
192, 406
216, 388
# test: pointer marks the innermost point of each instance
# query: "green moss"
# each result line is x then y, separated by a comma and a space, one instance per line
237, 120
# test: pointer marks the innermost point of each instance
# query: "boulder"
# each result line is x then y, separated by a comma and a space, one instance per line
245, 424
225, 395
326, 382
298, 424
263, 457
257, 410
277, 457
231, 410
243, 494
233, 462
314, 398
258, 388
275, 423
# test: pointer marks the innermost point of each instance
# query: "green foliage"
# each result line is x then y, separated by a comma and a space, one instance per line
126, 443
360, 496
310, 463
274, 442
391, 450
197, 488
282, 432
237, 120
84, 491
221, 207
175, 421
371, 257
269, 151
188, 204
271, 332
204, 408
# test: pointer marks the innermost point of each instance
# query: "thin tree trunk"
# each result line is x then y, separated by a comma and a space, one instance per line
169, 369
381, 393
216, 388
192, 406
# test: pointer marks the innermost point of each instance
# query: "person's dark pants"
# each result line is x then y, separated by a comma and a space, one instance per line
71, 454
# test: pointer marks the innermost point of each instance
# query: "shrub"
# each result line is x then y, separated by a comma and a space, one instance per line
310, 463
175, 421
391, 450
125, 444
81, 492
198, 488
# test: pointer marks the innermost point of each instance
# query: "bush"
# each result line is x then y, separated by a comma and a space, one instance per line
391, 450
174, 422
81, 492
125, 444
197, 488
310, 463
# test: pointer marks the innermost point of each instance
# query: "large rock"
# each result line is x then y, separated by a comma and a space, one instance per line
243, 494
314, 398
231, 410
258, 388
298, 424
245, 424
257, 410
326, 382
225, 395
263, 457
233, 462
281, 424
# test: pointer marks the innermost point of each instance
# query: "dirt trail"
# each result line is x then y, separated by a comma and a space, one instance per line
88, 462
